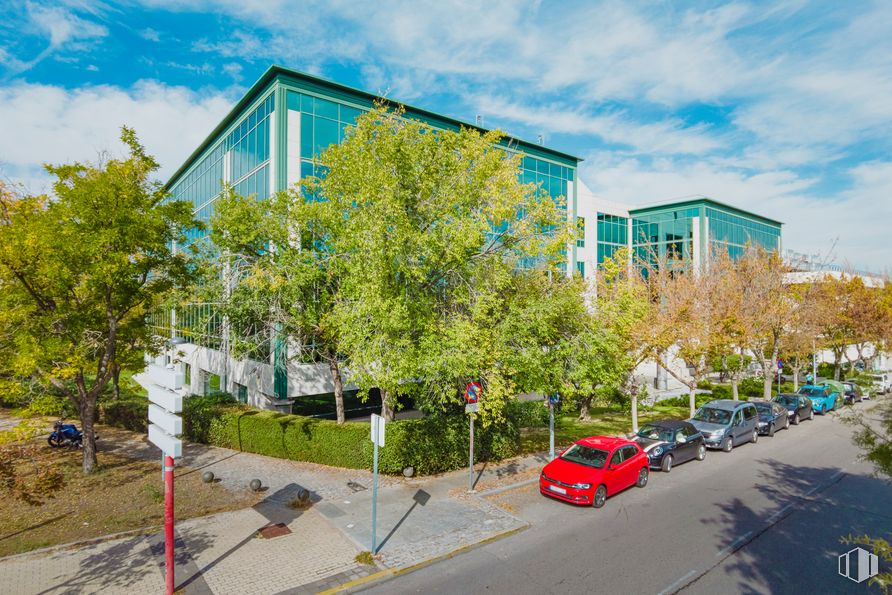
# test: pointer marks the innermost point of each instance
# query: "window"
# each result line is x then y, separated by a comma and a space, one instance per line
580, 240
580, 266
629, 452
241, 392
187, 375
617, 457
749, 412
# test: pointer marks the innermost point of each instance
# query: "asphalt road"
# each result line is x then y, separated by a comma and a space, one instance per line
765, 518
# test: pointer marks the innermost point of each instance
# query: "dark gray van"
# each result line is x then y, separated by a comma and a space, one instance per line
725, 423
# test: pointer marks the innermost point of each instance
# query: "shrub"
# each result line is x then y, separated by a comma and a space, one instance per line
527, 414
200, 411
130, 414
684, 401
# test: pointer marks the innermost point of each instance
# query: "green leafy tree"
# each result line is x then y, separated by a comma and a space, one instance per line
79, 271
276, 277
428, 227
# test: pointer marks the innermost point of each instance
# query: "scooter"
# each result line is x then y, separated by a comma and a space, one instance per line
66, 435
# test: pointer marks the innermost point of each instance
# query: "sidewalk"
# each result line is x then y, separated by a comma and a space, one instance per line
418, 519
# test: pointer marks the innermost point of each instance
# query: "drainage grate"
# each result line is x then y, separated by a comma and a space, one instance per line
277, 530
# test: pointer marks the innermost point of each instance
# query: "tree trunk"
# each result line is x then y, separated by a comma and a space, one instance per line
635, 412
388, 412
767, 381
796, 369
735, 394
692, 396
87, 413
338, 387
584, 405
116, 377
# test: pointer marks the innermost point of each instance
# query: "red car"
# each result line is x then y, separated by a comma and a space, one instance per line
582, 474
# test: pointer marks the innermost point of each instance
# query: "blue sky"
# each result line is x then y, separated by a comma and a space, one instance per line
779, 107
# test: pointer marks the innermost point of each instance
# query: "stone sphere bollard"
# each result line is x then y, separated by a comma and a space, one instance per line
408, 471
207, 476
255, 485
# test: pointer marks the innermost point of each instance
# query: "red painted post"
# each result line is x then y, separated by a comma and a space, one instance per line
168, 522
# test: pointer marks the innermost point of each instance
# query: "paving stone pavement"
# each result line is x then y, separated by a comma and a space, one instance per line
418, 519
216, 554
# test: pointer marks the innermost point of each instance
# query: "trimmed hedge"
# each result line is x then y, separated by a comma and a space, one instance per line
431, 445
130, 414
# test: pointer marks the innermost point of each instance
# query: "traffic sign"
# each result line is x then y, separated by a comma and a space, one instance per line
473, 391
378, 429
472, 407
780, 365
554, 398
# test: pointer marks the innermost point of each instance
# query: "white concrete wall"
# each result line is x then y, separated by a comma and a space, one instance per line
588, 206
303, 379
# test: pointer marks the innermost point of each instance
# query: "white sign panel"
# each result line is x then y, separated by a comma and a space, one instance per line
472, 407
168, 444
170, 423
378, 429
165, 399
167, 376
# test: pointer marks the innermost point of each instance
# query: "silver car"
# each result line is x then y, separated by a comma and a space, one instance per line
725, 423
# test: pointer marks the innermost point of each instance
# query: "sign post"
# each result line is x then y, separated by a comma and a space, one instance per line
164, 427
551, 401
377, 440
472, 393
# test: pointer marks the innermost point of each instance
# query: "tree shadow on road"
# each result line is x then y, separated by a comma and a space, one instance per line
793, 545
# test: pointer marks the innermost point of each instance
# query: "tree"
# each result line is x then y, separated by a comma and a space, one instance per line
428, 226
683, 320
275, 277
729, 313
835, 311
767, 307
79, 271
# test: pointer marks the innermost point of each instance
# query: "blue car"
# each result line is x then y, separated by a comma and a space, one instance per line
823, 398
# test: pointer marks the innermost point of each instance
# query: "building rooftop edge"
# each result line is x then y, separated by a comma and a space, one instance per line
685, 200
275, 70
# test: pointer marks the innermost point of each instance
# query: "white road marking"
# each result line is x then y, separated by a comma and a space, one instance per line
680, 582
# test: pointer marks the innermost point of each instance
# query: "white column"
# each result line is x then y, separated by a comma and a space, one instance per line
571, 219
695, 247
292, 149
273, 153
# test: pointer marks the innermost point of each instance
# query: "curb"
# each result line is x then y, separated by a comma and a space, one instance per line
385, 575
508, 488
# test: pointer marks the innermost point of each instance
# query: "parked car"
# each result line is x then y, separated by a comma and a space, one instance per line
880, 382
852, 392
798, 407
772, 417
725, 423
823, 398
593, 469
670, 442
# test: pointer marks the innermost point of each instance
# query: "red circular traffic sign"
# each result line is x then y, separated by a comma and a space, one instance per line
473, 391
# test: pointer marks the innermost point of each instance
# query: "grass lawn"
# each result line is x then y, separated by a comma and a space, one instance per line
605, 420
125, 494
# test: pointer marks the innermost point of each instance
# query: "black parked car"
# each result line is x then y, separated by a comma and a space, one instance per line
798, 407
772, 416
670, 442
853, 393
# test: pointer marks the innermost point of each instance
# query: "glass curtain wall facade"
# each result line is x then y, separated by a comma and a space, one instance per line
612, 234
733, 233
668, 234
240, 158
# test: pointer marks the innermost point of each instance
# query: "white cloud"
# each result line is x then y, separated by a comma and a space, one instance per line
659, 137
150, 34
63, 30
51, 124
